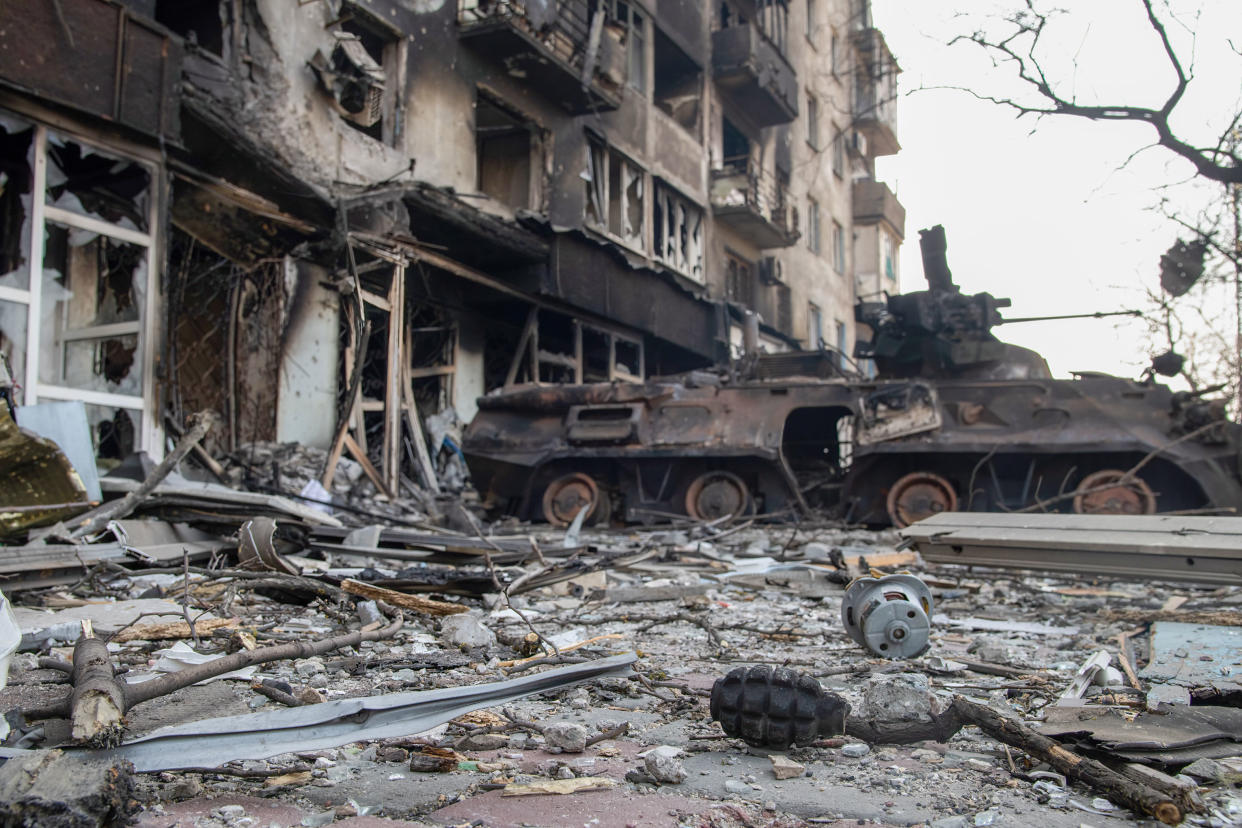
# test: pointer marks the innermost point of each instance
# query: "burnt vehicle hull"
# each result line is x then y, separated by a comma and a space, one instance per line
771, 447
954, 420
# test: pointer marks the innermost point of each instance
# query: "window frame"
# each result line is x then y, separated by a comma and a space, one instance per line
638, 241
814, 325
838, 247
150, 434
693, 270
812, 121
813, 241
635, 36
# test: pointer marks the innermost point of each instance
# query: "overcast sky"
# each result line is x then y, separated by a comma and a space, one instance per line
1056, 219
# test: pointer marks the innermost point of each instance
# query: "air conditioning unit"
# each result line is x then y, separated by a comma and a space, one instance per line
858, 144
353, 79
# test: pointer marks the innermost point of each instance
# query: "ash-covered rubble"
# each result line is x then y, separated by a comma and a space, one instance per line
639, 746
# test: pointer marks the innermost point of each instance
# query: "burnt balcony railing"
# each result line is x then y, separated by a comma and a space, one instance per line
747, 198
548, 43
751, 70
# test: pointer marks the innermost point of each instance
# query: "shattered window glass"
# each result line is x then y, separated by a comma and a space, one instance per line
88, 182
16, 158
93, 295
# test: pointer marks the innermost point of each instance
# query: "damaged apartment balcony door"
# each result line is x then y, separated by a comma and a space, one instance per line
392, 397
78, 305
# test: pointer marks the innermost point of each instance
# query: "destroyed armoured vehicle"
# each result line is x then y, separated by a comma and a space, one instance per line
953, 419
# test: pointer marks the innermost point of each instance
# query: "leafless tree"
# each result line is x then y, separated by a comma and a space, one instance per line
1017, 47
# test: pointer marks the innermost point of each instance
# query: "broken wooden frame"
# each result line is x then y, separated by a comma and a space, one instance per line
398, 406
530, 359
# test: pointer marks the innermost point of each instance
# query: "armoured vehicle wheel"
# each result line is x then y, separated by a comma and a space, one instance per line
1132, 498
566, 495
920, 495
717, 494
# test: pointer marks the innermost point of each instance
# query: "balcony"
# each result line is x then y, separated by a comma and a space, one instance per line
749, 200
548, 46
874, 202
875, 92
755, 75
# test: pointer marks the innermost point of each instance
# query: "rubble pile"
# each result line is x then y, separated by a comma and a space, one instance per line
564, 677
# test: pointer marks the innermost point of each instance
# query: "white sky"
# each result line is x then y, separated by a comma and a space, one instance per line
1055, 219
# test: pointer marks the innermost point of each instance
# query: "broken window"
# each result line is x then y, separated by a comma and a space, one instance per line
201, 22
615, 194
678, 232
633, 21
357, 75
678, 83
78, 330
739, 280
503, 154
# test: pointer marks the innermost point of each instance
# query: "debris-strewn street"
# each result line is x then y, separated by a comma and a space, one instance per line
1071, 656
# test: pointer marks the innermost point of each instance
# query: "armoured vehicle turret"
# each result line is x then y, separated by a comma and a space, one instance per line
945, 417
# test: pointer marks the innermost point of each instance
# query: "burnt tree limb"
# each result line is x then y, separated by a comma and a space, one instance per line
97, 702
1140, 798
136, 694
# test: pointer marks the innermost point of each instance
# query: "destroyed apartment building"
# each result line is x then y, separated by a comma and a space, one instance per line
285, 213
298, 300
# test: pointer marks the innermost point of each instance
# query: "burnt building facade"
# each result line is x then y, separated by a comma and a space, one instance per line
364, 211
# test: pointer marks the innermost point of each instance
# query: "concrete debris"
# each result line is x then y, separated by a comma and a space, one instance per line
567, 736
466, 630
664, 765
698, 605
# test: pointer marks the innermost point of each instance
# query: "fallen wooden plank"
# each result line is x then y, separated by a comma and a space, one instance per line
400, 599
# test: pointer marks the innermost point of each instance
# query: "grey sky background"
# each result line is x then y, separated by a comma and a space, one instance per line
1057, 219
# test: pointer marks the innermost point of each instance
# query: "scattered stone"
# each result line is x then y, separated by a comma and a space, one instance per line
310, 695
564, 772
856, 750
308, 667
664, 765
392, 753
369, 613
466, 630
905, 697
229, 812
566, 736
735, 787
484, 741
785, 768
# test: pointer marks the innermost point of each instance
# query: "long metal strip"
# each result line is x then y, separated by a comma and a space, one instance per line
1196, 549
